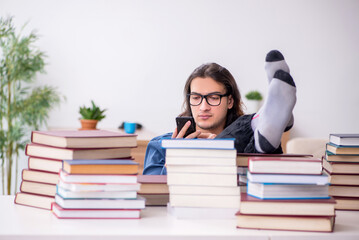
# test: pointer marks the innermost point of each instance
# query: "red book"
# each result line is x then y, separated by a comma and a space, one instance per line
38, 188
45, 164
40, 176
313, 207
60, 212
341, 167
43, 151
34, 200
285, 165
242, 158
84, 139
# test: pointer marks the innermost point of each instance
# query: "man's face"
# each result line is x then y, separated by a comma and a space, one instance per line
210, 118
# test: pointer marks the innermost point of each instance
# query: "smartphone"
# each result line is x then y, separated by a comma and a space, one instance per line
181, 121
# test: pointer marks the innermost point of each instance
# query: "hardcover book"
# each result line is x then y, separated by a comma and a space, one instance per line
84, 203
177, 200
242, 158
218, 143
43, 151
344, 191
38, 188
347, 203
201, 153
66, 194
289, 178
202, 179
45, 164
283, 165
295, 223
341, 168
100, 178
344, 139
344, 179
101, 166
34, 200
336, 149
202, 212
316, 207
98, 187
153, 184
331, 157
156, 199
40, 176
204, 190
84, 139
219, 169
62, 213
287, 191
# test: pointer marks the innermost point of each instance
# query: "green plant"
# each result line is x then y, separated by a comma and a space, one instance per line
22, 108
254, 95
93, 112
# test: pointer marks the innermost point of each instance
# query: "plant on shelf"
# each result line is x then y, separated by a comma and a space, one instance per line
254, 99
23, 108
91, 116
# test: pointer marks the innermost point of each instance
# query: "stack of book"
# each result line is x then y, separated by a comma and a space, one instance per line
286, 193
202, 178
154, 189
341, 162
48, 150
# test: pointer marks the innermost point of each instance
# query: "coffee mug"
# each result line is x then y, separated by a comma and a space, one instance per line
130, 127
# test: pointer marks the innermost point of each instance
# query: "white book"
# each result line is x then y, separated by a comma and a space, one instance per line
345, 139
206, 201
91, 178
201, 161
201, 169
79, 187
218, 143
322, 179
201, 153
202, 212
201, 179
83, 203
204, 190
96, 194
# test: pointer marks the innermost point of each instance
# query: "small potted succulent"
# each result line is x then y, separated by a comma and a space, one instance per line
254, 99
90, 116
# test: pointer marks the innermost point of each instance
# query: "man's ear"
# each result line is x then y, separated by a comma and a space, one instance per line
230, 101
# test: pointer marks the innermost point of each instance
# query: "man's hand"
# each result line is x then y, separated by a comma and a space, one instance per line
183, 132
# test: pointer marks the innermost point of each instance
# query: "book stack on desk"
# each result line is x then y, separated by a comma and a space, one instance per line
202, 178
154, 189
286, 194
48, 150
341, 162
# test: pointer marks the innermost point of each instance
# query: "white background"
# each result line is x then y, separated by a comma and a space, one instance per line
133, 57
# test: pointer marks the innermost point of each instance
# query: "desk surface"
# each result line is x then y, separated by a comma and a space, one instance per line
21, 222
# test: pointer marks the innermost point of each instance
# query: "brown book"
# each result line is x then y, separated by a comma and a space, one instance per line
84, 139
40, 176
316, 207
34, 200
45, 164
294, 223
43, 151
153, 184
344, 191
341, 158
350, 150
242, 158
101, 166
156, 199
341, 168
38, 188
347, 203
343, 179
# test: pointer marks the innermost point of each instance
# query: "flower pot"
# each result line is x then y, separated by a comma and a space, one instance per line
88, 124
252, 106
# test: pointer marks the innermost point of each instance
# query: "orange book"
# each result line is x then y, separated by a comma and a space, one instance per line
101, 166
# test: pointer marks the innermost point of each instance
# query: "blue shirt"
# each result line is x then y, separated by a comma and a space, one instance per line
154, 163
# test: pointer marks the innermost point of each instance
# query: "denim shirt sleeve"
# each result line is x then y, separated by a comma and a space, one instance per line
154, 163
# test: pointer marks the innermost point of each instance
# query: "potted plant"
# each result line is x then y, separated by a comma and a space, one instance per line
91, 116
23, 108
254, 99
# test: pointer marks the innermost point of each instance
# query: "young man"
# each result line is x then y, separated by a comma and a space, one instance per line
213, 100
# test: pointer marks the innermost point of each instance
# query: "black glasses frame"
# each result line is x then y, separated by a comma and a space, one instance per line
205, 96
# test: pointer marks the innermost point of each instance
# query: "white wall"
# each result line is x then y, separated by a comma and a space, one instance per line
133, 57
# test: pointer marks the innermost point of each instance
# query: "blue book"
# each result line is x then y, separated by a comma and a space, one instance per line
322, 179
197, 143
287, 191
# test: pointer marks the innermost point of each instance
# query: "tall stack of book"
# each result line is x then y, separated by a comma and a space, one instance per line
48, 150
154, 189
341, 161
286, 194
202, 178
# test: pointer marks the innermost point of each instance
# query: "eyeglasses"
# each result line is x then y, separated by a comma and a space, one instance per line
213, 99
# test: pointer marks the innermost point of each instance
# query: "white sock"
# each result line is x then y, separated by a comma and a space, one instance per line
275, 113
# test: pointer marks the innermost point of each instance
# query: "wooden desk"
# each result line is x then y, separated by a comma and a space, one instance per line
20, 222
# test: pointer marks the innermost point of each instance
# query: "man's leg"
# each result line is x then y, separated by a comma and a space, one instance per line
275, 116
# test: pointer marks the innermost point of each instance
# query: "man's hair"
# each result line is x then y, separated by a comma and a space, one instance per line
220, 75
